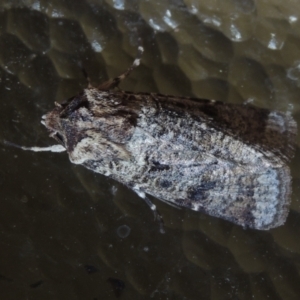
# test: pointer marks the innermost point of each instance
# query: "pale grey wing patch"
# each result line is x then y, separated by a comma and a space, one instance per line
260, 199
270, 135
172, 149
286, 128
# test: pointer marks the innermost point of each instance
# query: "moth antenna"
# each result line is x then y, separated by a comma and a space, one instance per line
53, 148
112, 83
88, 79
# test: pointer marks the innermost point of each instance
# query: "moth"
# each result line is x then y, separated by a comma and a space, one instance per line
229, 161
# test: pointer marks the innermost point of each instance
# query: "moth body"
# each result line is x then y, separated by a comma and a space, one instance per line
229, 161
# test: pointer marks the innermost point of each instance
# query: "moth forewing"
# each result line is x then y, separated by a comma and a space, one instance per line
229, 161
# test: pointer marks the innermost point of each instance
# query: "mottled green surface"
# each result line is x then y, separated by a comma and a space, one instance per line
57, 218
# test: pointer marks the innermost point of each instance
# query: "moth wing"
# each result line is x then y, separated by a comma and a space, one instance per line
249, 195
267, 131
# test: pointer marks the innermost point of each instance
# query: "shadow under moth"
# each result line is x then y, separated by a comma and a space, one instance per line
229, 161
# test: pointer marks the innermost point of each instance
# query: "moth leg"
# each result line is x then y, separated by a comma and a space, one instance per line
112, 83
157, 215
53, 148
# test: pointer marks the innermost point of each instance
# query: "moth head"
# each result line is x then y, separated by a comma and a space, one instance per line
91, 130
51, 121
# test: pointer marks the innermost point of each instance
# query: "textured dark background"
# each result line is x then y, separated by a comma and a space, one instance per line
65, 231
